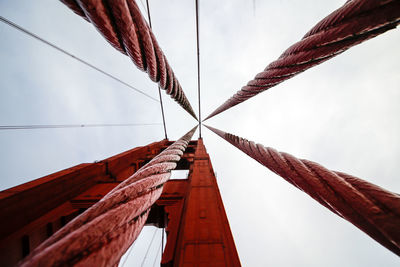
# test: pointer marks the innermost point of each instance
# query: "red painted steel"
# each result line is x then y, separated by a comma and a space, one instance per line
124, 27
191, 210
355, 22
102, 234
32, 212
371, 208
198, 229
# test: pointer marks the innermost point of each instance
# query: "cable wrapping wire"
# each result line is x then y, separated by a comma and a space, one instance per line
355, 22
124, 27
371, 208
103, 233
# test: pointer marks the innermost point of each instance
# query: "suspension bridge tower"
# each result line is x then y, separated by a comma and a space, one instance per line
90, 214
191, 210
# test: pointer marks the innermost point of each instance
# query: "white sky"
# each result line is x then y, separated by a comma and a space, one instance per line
342, 114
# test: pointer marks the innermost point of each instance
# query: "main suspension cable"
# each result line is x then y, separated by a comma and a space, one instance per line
353, 23
372, 209
52, 126
159, 89
122, 24
19, 28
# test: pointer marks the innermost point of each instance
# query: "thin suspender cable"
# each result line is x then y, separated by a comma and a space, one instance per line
129, 253
198, 62
122, 24
15, 26
31, 127
148, 14
158, 251
159, 89
143, 5
155, 259
148, 248
162, 113
162, 240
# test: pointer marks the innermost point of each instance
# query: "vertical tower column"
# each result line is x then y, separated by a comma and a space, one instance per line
203, 235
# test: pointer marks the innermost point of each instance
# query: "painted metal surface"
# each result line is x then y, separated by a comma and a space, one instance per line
117, 206
103, 233
50, 202
198, 229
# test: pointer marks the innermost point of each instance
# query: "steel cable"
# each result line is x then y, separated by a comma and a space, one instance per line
198, 62
148, 248
55, 126
371, 208
105, 231
159, 250
123, 26
15, 26
159, 89
355, 22
128, 254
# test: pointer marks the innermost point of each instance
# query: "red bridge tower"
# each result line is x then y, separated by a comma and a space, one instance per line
191, 209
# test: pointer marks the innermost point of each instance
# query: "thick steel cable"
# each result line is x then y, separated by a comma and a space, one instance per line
16, 26
371, 208
55, 126
123, 26
159, 89
198, 62
105, 231
355, 22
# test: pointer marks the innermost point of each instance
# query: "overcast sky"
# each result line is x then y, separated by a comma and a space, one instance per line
342, 114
